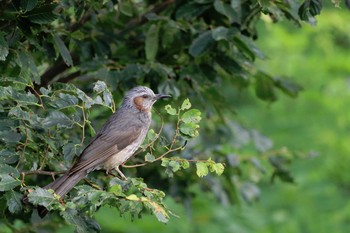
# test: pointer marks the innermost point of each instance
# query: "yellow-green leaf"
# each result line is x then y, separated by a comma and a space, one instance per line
202, 169
186, 104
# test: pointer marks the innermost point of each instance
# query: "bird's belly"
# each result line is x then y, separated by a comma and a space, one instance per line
120, 157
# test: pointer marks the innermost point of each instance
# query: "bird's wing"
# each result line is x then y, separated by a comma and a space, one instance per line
105, 144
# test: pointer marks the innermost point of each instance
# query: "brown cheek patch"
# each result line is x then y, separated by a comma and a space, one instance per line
138, 101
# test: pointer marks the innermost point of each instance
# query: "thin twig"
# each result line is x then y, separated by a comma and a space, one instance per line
155, 160
37, 95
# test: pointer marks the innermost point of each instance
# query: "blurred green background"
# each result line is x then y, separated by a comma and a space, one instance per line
318, 58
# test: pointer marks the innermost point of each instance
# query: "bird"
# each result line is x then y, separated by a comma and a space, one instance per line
117, 140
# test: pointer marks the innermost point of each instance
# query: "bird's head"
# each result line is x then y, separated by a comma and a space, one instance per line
142, 98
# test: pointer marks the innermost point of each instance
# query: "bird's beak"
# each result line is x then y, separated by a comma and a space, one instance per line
161, 96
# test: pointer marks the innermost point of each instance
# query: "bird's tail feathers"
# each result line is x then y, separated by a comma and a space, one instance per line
62, 186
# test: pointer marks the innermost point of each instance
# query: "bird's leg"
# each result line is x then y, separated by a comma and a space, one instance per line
120, 173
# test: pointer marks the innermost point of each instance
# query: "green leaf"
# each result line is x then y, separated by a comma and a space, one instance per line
186, 104
171, 166
4, 48
126, 8
67, 58
219, 33
290, 88
43, 197
158, 211
8, 157
10, 136
226, 9
14, 203
82, 223
8, 170
264, 87
170, 110
218, 168
149, 158
69, 151
65, 100
42, 15
152, 42
8, 182
151, 135
191, 116
116, 190
99, 86
184, 163
28, 5
202, 169
57, 118
201, 44
191, 10
189, 129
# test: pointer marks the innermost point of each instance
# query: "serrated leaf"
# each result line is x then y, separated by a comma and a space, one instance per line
7, 182
69, 151
67, 58
184, 164
218, 168
57, 118
28, 5
170, 110
175, 165
151, 135
186, 104
64, 101
149, 158
191, 116
201, 44
202, 169
8, 170
4, 48
189, 129
152, 42
116, 190
159, 211
40, 196
99, 86
107, 98
82, 223
14, 203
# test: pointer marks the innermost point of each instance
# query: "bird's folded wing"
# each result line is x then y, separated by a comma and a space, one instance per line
103, 146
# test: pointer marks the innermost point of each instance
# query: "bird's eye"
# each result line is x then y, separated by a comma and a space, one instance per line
145, 96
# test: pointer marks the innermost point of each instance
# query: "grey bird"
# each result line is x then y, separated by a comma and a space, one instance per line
114, 144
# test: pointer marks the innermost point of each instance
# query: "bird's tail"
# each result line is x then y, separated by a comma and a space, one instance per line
62, 186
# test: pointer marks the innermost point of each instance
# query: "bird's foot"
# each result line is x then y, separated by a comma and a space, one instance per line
121, 173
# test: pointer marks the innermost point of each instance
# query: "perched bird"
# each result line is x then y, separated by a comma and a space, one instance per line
114, 144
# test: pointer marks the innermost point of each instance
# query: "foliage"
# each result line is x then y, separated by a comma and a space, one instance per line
201, 49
